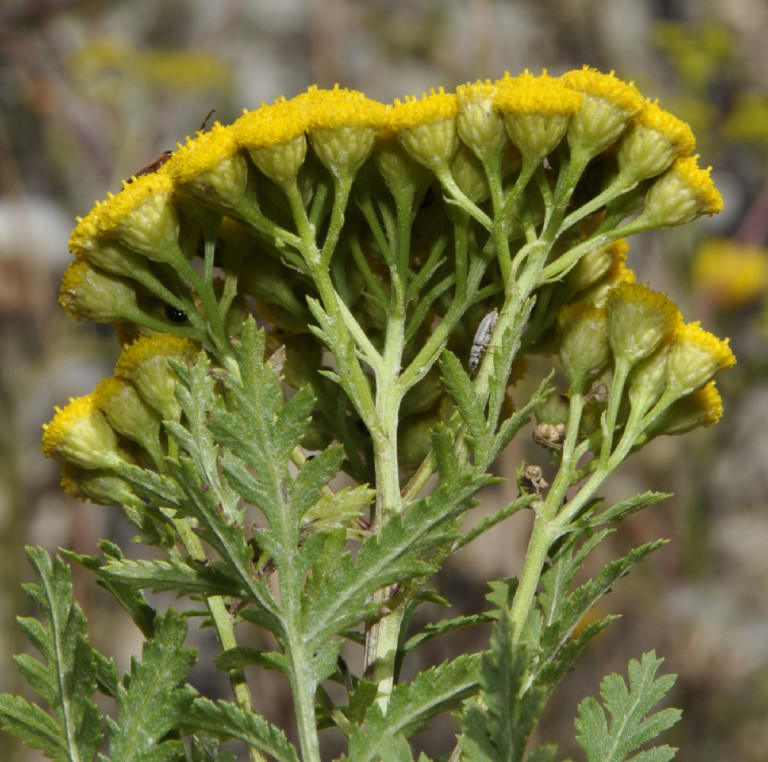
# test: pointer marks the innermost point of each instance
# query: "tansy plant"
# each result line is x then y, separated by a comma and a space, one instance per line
325, 310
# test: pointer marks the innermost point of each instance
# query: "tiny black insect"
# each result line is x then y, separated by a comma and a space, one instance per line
175, 315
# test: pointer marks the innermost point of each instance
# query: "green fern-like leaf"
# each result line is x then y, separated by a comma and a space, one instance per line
632, 723
65, 679
413, 704
151, 702
224, 720
496, 728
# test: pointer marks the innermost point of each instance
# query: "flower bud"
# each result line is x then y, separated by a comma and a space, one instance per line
87, 292
582, 342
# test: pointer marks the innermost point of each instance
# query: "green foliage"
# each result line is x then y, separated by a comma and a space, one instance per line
632, 724
66, 677
323, 414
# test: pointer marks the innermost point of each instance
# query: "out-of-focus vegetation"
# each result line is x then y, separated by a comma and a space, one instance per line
90, 92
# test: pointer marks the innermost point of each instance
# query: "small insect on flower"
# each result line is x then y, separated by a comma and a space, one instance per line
482, 339
165, 156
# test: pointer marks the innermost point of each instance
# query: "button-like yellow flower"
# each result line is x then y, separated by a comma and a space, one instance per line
536, 111
653, 141
480, 125
145, 364
212, 167
80, 434
607, 106
274, 136
343, 125
695, 355
700, 408
426, 128
683, 193
639, 319
128, 414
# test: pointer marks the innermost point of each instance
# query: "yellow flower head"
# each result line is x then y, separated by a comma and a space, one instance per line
80, 434
695, 355
607, 106
730, 275
700, 408
582, 342
426, 128
274, 136
87, 292
142, 217
211, 167
145, 364
683, 193
343, 125
480, 125
654, 140
536, 111
639, 319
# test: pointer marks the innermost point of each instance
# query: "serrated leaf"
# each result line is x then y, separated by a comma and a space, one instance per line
314, 474
173, 574
632, 724
65, 679
462, 390
150, 703
224, 720
131, 599
619, 511
340, 508
444, 626
335, 601
413, 704
498, 727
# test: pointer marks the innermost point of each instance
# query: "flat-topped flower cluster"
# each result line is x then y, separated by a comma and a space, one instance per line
423, 214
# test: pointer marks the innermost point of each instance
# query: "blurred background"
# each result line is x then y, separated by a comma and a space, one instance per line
93, 90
